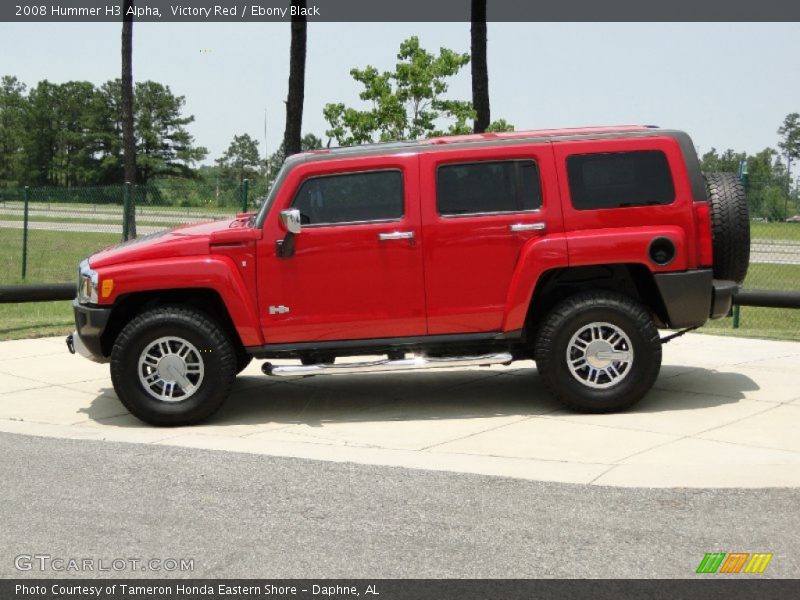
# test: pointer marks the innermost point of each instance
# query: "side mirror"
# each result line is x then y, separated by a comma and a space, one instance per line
290, 219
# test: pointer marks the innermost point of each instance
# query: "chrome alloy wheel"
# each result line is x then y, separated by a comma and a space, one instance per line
171, 369
600, 355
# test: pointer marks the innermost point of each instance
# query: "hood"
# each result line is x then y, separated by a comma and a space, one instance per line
187, 240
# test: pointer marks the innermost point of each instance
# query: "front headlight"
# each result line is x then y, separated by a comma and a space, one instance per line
87, 283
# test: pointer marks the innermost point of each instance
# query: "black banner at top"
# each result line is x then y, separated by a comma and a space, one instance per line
178, 11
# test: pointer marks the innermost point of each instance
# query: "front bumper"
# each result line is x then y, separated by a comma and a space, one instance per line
90, 323
692, 297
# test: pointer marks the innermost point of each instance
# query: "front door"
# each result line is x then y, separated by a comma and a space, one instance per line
356, 270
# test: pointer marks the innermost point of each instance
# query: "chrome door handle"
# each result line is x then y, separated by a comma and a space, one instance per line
527, 226
396, 235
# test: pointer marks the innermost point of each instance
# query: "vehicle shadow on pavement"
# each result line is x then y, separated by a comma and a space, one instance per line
256, 400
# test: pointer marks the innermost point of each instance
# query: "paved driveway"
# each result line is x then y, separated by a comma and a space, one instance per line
245, 515
724, 413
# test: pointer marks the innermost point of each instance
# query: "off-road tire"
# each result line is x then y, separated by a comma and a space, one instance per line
217, 354
730, 226
576, 312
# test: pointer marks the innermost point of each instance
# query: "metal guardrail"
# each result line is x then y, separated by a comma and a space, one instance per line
41, 292
767, 298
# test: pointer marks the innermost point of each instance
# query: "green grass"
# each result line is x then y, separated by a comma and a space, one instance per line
775, 231
35, 319
53, 256
756, 322
773, 277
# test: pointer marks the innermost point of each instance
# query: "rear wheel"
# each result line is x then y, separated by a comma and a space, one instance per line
172, 366
598, 352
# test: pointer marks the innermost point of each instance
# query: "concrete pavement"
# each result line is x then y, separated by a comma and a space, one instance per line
724, 413
247, 515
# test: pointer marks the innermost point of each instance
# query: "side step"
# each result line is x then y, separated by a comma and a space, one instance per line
415, 363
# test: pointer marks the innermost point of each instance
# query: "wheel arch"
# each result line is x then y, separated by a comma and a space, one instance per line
206, 300
634, 280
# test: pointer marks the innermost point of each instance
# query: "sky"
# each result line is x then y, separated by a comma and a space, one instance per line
728, 85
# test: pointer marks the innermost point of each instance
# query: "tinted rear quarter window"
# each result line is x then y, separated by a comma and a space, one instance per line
620, 179
488, 187
351, 197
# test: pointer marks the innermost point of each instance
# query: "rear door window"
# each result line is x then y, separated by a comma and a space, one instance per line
488, 187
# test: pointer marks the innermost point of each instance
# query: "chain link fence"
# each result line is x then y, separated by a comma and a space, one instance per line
774, 261
45, 232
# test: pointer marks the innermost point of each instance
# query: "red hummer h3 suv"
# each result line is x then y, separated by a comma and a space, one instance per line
570, 247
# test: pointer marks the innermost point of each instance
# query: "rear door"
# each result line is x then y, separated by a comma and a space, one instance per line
480, 206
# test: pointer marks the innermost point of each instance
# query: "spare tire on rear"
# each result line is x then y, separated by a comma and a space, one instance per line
730, 226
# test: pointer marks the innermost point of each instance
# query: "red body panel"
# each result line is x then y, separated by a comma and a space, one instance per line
218, 273
538, 256
624, 245
702, 219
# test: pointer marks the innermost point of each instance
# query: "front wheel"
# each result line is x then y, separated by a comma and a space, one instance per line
598, 352
172, 366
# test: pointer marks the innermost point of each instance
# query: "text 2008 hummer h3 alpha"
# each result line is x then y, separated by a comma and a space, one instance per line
569, 247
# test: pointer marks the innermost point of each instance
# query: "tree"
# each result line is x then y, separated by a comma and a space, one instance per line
790, 140
241, 158
12, 136
110, 141
773, 203
480, 70
275, 161
727, 162
71, 133
128, 139
63, 135
40, 134
297, 77
73, 119
766, 185
407, 103
767, 182
164, 146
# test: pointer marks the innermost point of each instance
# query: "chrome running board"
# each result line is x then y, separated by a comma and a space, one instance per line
416, 363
